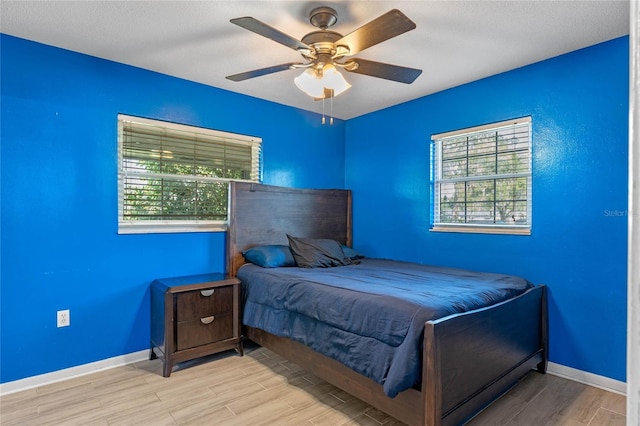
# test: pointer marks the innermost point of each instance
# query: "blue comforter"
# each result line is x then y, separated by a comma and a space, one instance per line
369, 316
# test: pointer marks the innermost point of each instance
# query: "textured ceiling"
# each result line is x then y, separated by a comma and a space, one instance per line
455, 42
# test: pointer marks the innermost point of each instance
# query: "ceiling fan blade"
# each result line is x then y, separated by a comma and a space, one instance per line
389, 25
267, 31
381, 70
262, 71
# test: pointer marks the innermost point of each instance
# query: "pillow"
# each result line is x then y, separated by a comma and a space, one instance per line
270, 256
317, 253
351, 253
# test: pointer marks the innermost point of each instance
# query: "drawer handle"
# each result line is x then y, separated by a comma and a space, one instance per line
207, 320
207, 293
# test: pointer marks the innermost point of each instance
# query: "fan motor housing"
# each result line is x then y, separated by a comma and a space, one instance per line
322, 41
323, 36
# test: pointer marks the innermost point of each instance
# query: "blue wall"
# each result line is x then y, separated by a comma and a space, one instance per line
59, 243
60, 248
578, 247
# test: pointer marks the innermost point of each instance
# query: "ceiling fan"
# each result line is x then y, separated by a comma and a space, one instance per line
325, 51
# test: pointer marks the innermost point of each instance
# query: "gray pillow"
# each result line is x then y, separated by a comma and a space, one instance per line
350, 253
317, 253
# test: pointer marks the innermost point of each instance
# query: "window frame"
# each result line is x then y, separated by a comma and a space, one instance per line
130, 226
436, 179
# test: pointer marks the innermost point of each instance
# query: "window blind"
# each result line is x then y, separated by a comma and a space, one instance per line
172, 174
481, 177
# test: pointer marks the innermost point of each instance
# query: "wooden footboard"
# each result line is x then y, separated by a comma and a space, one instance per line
469, 360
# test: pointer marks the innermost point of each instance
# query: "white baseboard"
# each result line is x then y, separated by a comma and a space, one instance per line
586, 378
93, 367
70, 373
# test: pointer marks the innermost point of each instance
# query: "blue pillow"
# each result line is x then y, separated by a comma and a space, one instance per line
270, 256
351, 253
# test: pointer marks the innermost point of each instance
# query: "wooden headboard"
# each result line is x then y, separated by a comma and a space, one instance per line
264, 214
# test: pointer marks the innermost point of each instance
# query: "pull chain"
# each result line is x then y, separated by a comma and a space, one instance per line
331, 109
324, 118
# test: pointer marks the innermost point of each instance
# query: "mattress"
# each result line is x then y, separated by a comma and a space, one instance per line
369, 316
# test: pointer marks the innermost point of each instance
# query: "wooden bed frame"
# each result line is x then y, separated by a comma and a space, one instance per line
469, 359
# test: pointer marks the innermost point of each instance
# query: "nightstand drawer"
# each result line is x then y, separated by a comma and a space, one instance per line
202, 331
193, 305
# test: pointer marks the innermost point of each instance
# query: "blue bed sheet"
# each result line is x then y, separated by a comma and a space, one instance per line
369, 316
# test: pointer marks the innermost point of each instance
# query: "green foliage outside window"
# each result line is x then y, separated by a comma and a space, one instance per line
170, 198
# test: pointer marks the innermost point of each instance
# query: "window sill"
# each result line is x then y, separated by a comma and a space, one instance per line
159, 228
482, 230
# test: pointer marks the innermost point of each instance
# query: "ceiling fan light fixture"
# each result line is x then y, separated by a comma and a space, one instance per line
314, 84
333, 79
310, 84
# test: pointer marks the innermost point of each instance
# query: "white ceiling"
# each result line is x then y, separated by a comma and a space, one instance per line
455, 42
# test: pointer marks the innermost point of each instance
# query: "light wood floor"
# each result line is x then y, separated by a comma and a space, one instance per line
262, 388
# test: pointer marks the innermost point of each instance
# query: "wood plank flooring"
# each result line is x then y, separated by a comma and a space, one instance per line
262, 388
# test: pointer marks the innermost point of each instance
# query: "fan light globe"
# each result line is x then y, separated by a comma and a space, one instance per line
332, 79
312, 85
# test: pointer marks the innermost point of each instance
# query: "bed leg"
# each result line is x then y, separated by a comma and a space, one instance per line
542, 367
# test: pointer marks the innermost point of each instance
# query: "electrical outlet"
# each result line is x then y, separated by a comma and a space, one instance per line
64, 318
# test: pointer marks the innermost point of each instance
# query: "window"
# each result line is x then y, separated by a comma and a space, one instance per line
481, 179
175, 178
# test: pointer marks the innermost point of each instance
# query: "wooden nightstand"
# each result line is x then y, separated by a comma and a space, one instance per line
194, 316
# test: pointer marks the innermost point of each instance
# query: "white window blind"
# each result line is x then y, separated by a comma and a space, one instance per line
175, 178
481, 178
